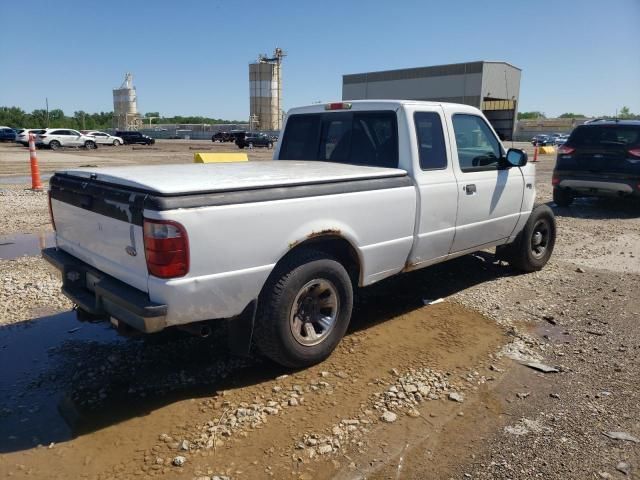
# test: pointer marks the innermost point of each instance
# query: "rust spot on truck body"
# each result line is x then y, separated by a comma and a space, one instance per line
314, 234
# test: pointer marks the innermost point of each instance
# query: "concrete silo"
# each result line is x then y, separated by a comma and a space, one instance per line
125, 106
265, 92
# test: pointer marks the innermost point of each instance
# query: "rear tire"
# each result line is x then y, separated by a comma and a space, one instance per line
562, 198
534, 244
90, 145
304, 309
54, 145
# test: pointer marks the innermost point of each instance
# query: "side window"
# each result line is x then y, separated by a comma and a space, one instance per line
59, 132
478, 148
300, 140
431, 147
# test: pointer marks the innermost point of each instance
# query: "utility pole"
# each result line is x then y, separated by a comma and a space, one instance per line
47, 102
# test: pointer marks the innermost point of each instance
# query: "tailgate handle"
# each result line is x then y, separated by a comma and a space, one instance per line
86, 201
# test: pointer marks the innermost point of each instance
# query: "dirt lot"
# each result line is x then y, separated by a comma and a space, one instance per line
414, 391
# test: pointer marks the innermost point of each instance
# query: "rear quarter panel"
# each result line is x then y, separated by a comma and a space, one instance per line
234, 248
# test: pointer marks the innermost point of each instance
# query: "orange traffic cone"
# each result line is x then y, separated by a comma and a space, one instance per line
535, 153
36, 183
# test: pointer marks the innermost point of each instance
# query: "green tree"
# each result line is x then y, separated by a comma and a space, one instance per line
572, 115
530, 115
625, 113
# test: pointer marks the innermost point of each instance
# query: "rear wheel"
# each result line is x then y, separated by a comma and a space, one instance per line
534, 245
90, 145
562, 198
54, 145
304, 309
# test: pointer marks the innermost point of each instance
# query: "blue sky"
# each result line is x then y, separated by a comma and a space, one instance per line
190, 57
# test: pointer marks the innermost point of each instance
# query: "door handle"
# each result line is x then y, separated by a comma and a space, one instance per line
470, 189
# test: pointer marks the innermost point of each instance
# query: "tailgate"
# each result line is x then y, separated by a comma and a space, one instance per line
102, 226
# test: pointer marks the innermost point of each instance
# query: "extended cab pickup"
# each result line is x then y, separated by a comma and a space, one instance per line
357, 192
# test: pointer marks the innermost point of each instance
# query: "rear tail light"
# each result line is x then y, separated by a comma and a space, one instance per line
53, 223
41, 136
564, 150
166, 248
338, 106
555, 180
635, 152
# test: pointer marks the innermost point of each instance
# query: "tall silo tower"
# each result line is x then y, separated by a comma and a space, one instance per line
265, 92
125, 105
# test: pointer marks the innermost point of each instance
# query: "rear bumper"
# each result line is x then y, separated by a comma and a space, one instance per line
101, 294
606, 186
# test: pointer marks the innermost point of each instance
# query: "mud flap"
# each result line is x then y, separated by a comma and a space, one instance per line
241, 330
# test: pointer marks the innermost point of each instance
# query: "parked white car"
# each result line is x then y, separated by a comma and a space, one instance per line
55, 138
357, 192
103, 138
22, 135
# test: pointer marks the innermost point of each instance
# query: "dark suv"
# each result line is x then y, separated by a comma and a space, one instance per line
600, 159
254, 140
7, 134
132, 137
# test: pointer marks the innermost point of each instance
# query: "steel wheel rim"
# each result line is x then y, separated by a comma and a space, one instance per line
540, 238
314, 312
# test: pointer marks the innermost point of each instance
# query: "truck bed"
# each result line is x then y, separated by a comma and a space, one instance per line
171, 180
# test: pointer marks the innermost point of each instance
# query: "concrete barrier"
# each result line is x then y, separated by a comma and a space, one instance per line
219, 157
547, 150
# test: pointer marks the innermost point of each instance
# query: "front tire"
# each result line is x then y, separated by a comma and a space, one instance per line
90, 145
116, 143
534, 245
304, 309
562, 198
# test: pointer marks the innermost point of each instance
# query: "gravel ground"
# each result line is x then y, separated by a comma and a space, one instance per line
23, 210
28, 288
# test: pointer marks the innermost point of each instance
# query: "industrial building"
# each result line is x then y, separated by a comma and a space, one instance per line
265, 92
494, 87
125, 106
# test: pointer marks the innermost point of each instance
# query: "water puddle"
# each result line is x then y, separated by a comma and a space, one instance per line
19, 244
32, 377
22, 179
61, 378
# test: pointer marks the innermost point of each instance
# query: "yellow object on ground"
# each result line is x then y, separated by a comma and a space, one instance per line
219, 157
546, 150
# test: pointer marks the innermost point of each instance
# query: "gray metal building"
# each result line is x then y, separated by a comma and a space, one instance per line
494, 87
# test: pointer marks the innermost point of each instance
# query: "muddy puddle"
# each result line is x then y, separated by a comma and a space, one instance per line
19, 244
36, 366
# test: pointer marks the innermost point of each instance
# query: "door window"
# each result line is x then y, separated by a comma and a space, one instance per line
431, 146
478, 148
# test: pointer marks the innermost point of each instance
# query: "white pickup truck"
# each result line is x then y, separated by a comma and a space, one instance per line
357, 192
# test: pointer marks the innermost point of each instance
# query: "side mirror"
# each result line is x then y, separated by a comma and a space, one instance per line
516, 157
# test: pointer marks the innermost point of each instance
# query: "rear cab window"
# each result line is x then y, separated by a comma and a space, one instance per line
357, 138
